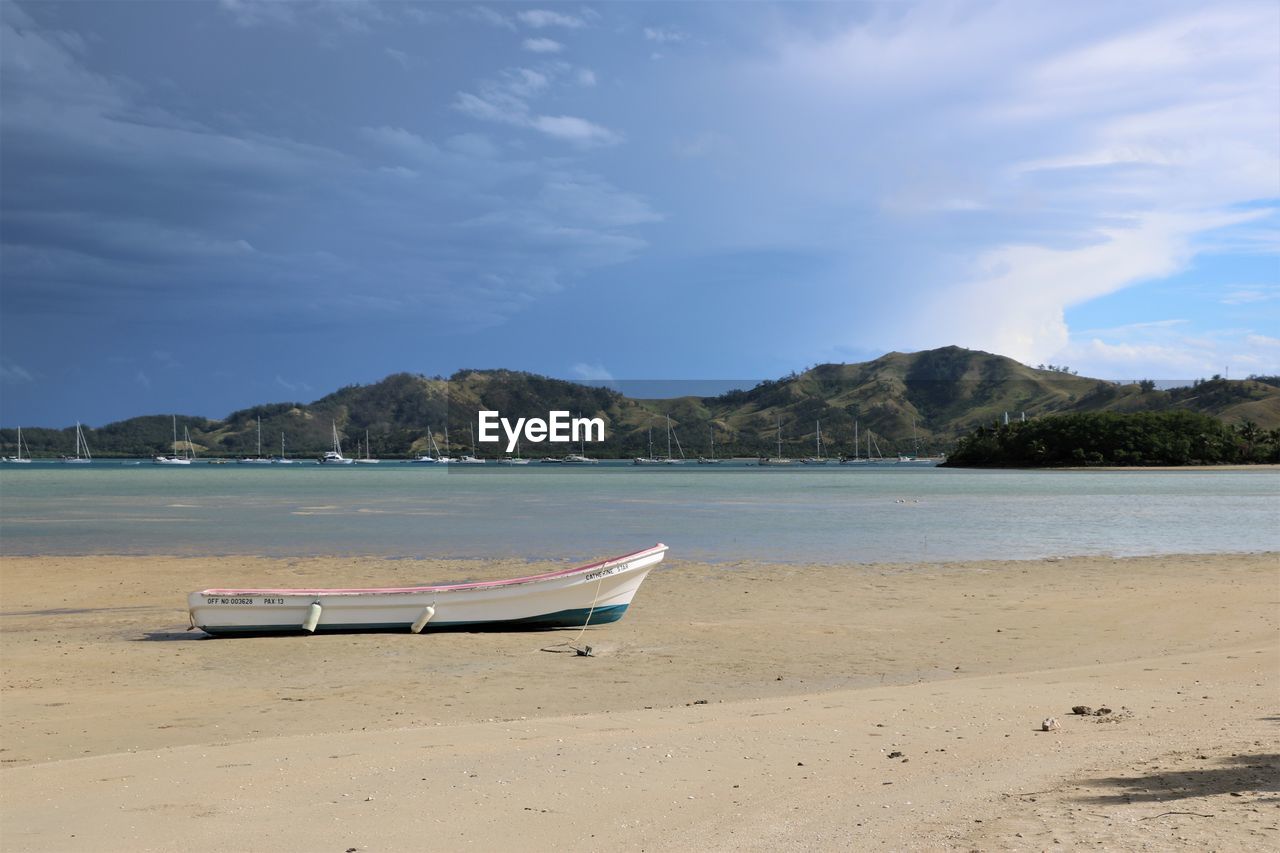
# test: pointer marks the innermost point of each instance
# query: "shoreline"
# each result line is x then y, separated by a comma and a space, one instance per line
811, 675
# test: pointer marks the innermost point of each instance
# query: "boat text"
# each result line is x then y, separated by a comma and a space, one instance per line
558, 426
242, 601
607, 570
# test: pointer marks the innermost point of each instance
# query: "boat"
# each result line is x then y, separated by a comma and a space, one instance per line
579, 458
281, 459
551, 460
175, 458
19, 459
856, 459
915, 458
711, 460
335, 457
81, 446
471, 458
433, 456
650, 459
259, 459
514, 460
779, 459
594, 594
816, 460
367, 459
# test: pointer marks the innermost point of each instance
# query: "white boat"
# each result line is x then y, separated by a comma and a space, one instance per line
471, 458
650, 459
281, 459
82, 446
335, 457
176, 458
433, 456
367, 459
816, 460
19, 459
588, 595
514, 460
779, 459
259, 459
915, 458
579, 458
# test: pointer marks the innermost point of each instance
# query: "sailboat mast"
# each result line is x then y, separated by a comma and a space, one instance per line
668, 436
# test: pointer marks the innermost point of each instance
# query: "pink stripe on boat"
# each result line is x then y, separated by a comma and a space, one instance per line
446, 587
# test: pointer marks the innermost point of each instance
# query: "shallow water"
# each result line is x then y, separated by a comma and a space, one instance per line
723, 513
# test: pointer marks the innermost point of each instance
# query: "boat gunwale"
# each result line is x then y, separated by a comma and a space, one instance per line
659, 548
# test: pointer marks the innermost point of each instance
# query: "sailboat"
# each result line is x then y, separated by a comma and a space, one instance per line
367, 459
19, 459
81, 446
779, 459
430, 458
650, 459
856, 459
259, 459
174, 459
514, 460
914, 459
579, 458
816, 460
671, 460
711, 460
471, 458
281, 459
335, 457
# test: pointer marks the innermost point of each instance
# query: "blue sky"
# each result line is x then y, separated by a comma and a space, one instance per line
210, 205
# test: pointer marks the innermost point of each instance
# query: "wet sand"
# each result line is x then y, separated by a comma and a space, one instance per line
735, 706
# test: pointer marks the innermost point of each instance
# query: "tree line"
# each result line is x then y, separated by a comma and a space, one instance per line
1174, 437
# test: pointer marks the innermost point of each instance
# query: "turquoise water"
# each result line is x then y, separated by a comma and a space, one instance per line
802, 514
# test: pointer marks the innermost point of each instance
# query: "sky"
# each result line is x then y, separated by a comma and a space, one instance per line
210, 205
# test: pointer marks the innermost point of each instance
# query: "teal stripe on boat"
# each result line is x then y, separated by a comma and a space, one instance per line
561, 619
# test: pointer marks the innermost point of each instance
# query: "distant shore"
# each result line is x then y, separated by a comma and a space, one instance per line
851, 706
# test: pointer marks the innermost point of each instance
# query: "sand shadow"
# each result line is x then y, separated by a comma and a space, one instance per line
171, 636
1237, 774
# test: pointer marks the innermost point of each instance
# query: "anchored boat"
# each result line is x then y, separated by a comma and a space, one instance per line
570, 598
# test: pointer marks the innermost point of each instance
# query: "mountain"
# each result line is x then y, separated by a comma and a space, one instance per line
923, 400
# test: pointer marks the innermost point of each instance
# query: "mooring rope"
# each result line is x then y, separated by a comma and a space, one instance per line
573, 644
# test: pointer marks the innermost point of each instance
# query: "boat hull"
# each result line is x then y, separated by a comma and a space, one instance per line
594, 594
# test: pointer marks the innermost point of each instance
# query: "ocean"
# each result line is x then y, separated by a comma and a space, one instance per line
804, 514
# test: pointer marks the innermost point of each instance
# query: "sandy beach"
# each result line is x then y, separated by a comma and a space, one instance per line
735, 706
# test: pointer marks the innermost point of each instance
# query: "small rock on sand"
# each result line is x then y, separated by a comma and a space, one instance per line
1050, 724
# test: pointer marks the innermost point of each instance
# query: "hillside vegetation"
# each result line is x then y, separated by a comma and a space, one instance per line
923, 402
1174, 437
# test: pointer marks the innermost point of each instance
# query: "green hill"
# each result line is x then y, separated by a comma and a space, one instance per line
926, 400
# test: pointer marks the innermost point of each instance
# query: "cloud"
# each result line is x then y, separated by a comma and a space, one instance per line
541, 18
485, 15
542, 45
586, 77
293, 387
14, 373
256, 13
506, 100
142, 379
398, 56
576, 130
663, 35
594, 372
1251, 295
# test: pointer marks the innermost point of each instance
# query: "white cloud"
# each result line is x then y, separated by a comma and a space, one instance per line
541, 18
662, 35
1251, 295
142, 379
255, 13
576, 130
595, 372
485, 15
586, 77
505, 100
542, 45
14, 373
399, 56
